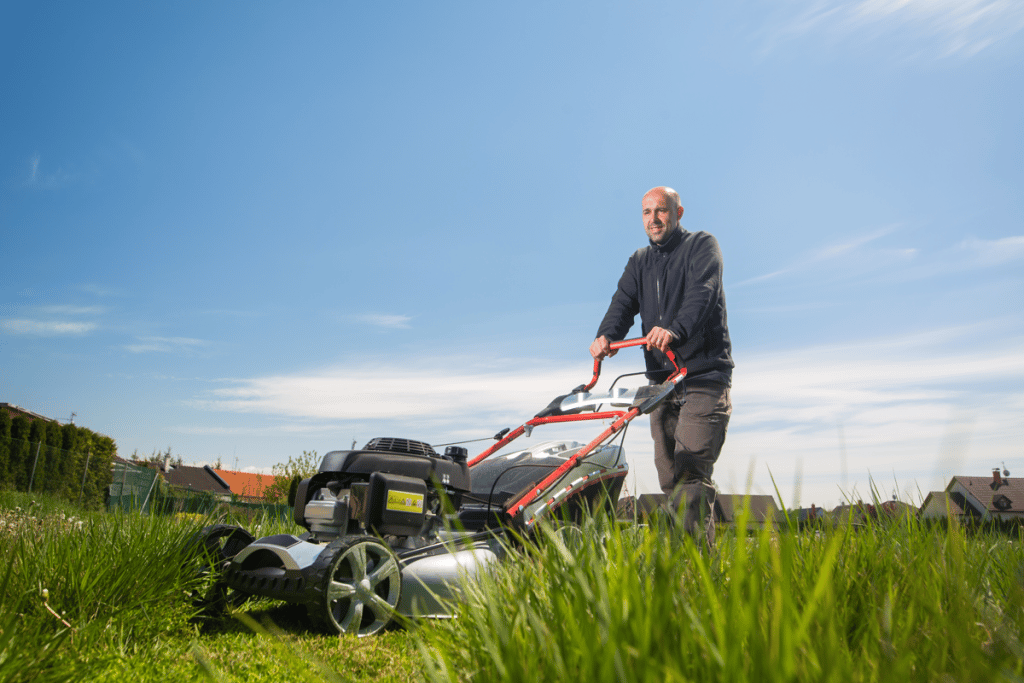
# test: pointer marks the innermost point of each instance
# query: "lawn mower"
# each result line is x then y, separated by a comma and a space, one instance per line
393, 527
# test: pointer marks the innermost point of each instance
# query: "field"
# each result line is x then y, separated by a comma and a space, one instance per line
96, 596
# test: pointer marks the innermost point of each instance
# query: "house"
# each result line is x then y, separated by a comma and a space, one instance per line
940, 505
641, 507
186, 478
18, 411
979, 498
249, 486
763, 509
727, 507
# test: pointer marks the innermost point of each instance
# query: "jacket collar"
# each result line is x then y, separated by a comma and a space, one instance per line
671, 243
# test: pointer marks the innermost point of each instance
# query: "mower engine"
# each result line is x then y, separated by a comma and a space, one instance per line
392, 488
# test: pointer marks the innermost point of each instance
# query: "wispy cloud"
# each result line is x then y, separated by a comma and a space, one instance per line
823, 256
166, 345
46, 328
883, 405
72, 310
100, 290
971, 254
360, 393
396, 322
860, 258
937, 28
830, 414
53, 320
47, 180
910, 410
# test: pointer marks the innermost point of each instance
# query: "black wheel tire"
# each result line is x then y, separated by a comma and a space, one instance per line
361, 588
208, 552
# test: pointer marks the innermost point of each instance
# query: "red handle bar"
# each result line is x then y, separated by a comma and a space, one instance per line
639, 341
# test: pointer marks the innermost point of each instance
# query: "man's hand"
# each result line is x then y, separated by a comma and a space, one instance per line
658, 338
602, 348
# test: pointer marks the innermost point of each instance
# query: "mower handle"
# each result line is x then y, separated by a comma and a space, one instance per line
622, 418
638, 341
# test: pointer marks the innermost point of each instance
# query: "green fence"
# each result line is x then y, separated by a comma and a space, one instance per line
132, 487
170, 501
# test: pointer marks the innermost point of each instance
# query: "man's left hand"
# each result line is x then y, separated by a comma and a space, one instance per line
659, 338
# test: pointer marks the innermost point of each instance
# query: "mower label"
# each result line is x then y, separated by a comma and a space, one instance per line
403, 501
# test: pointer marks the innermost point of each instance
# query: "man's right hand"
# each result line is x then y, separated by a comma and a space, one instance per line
602, 348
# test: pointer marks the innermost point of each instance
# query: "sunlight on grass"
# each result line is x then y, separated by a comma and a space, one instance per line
94, 596
896, 602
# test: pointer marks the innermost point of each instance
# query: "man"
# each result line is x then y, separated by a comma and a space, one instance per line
675, 284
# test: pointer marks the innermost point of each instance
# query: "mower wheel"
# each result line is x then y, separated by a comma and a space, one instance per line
207, 554
361, 587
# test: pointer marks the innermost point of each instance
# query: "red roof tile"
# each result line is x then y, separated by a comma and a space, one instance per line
248, 484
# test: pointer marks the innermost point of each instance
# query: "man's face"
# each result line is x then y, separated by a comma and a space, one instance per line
661, 216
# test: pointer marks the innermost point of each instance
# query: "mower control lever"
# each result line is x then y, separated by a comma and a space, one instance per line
638, 341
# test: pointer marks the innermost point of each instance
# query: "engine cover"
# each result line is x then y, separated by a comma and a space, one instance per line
389, 487
391, 504
400, 456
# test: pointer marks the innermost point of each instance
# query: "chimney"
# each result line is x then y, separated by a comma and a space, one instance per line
167, 462
996, 479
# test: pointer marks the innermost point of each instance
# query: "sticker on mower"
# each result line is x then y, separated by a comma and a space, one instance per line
402, 501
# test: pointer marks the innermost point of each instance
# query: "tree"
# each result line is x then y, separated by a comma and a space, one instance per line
302, 467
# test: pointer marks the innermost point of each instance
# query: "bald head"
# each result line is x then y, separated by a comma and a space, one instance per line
666, 192
661, 213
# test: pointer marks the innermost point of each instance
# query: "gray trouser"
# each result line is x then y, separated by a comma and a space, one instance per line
689, 430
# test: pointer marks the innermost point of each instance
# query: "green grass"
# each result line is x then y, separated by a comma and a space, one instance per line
880, 602
894, 601
120, 591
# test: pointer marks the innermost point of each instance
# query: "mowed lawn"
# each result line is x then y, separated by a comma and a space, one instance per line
97, 596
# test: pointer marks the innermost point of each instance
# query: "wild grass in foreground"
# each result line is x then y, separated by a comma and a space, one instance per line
92, 596
98, 596
880, 602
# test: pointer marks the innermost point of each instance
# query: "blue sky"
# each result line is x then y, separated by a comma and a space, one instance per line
246, 231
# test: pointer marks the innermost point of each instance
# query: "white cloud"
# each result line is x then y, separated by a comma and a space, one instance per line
100, 290
166, 345
361, 393
818, 418
53, 321
396, 322
46, 328
46, 181
860, 258
829, 414
72, 310
939, 28
972, 254
823, 256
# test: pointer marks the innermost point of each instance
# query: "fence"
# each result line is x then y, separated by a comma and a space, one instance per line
170, 502
90, 478
132, 487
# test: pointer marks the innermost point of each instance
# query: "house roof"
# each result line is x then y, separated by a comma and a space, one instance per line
729, 505
896, 508
998, 497
15, 411
251, 484
194, 479
940, 501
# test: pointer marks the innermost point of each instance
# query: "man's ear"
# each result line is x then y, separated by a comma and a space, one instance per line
680, 214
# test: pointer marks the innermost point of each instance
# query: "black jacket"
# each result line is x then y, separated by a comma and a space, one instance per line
676, 286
